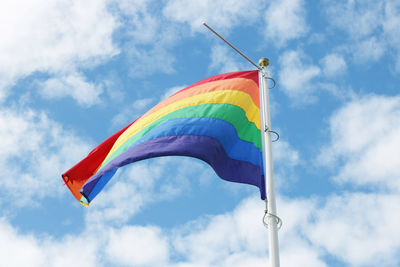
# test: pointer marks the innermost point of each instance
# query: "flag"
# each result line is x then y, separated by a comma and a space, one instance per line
216, 120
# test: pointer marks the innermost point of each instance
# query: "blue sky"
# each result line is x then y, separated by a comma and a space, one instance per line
74, 72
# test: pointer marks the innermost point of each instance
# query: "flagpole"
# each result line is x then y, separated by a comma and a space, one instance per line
272, 220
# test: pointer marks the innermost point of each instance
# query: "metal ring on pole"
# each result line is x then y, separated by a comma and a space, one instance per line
278, 220
277, 135
269, 78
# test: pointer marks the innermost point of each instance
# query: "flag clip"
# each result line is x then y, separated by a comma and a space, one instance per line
274, 83
270, 131
277, 219
277, 136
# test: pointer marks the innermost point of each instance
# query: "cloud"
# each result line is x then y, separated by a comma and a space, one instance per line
172, 91
285, 154
286, 159
74, 85
370, 27
297, 74
35, 151
361, 223
285, 20
364, 143
148, 37
222, 14
143, 183
220, 239
369, 49
38, 36
137, 246
236, 237
333, 65
132, 112
28, 250
223, 60
11, 246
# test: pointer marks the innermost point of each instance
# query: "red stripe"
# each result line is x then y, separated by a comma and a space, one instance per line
248, 74
77, 176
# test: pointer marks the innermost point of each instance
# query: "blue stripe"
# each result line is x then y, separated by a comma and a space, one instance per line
205, 148
218, 129
101, 183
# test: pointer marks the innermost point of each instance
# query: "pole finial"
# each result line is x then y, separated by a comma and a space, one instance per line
263, 62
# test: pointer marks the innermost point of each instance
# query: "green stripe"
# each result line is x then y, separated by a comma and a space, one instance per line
236, 116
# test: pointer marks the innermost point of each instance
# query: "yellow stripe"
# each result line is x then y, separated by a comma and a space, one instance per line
234, 97
84, 204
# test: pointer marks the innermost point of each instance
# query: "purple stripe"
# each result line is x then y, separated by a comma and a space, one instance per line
202, 147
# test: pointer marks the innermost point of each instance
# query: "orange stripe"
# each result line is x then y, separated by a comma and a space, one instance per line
239, 84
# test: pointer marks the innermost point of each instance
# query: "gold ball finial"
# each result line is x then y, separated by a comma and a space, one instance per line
263, 62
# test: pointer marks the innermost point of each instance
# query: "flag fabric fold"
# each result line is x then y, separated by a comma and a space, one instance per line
216, 120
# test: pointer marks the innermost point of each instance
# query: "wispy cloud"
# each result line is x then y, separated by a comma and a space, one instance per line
333, 65
285, 20
370, 27
53, 37
74, 85
35, 150
296, 75
223, 60
223, 14
364, 142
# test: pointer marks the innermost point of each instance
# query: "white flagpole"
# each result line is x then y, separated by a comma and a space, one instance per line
272, 219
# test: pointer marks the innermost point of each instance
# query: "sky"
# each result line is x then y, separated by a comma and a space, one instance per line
74, 72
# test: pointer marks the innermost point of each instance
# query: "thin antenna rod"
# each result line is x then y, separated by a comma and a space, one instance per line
228, 43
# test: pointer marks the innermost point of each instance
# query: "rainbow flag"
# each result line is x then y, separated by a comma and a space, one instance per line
216, 120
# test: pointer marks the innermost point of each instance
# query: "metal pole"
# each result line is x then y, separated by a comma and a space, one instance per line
272, 219
270, 213
231, 45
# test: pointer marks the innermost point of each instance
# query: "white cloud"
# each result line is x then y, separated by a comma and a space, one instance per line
333, 65
221, 14
371, 27
358, 18
391, 29
114, 87
239, 238
364, 142
223, 60
141, 104
172, 91
286, 159
144, 24
137, 246
285, 20
132, 112
53, 37
18, 250
11, 246
285, 154
139, 184
74, 85
142, 60
360, 222
149, 37
368, 49
296, 75
235, 237
35, 151
350, 225
213, 241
